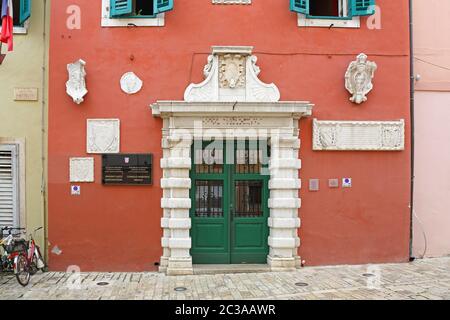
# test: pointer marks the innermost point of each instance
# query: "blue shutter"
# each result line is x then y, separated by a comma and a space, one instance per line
362, 7
25, 10
300, 6
121, 7
162, 6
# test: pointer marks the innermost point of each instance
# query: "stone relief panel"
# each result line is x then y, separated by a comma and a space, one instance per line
359, 135
232, 71
130, 83
231, 74
239, 122
358, 78
76, 85
103, 136
81, 169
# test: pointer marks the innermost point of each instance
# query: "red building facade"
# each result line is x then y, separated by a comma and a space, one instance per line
365, 218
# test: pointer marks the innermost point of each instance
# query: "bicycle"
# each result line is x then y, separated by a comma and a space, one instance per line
11, 248
28, 263
20, 256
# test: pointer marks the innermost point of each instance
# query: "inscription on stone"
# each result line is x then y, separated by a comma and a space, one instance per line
231, 121
25, 94
359, 135
127, 169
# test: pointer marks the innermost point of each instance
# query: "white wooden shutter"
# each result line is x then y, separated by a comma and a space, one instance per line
9, 213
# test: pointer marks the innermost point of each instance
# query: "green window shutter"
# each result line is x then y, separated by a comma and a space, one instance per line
25, 10
362, 7
300, 6
121, 7
162, 6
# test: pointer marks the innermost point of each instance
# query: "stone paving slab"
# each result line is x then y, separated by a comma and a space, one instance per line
422, 279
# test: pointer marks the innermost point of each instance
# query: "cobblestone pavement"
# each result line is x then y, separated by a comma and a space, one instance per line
422, 279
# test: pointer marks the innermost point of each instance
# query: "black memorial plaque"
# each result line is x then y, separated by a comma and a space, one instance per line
127, 169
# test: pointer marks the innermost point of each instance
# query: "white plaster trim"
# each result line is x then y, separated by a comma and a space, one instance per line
125, 22
359, 135
303, 21
20, 30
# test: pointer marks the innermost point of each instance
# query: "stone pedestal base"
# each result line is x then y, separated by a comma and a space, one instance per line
298, 262
179, 267
163, 263
281, 264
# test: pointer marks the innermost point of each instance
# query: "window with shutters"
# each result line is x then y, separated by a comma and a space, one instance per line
124, 13
9, 186
332, 13
21, 15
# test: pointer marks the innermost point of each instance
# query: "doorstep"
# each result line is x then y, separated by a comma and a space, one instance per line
229, 268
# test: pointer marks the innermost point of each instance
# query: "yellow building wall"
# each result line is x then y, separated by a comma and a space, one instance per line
26, 120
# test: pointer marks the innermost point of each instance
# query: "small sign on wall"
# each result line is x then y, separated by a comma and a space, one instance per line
75, 190
25, 94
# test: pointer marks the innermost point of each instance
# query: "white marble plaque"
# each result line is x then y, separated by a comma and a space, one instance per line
130, 83
26, 94
103, 136
81, 169
359, 135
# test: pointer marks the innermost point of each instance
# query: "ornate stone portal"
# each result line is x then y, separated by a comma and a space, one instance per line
358, 78
231, 103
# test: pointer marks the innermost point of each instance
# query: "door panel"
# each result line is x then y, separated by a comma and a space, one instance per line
229, 208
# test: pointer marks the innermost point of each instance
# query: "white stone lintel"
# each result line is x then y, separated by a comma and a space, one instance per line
285, 203
176, 203
284, 223
176, 183
176, 163
293, 109
285, 163
180, 243
176, 223
283, 243
284, 183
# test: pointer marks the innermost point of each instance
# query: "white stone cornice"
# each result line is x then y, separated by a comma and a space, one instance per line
294, 109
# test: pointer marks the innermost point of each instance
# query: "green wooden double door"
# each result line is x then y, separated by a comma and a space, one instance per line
229, 202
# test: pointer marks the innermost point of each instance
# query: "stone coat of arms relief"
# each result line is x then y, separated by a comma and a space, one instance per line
231, 75
358, 78
76, 85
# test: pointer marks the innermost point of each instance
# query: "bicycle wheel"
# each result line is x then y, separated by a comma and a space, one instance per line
22, 270
33, 267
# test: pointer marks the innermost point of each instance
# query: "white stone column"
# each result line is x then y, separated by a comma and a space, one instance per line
284, 203
176, 203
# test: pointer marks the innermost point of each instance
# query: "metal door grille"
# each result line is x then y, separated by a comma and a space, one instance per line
248, 197
209, 198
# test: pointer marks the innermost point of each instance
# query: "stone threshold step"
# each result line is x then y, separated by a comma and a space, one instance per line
229, 268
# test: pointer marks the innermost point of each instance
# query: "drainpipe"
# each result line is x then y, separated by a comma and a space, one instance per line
412, 91
44, 132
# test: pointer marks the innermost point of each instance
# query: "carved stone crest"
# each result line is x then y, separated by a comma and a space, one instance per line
103, 135
231, 74
358, 78
359, 135
232, 71
81, 169
76, 85
130, 83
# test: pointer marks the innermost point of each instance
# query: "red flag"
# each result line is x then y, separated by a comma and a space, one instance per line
7, 23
